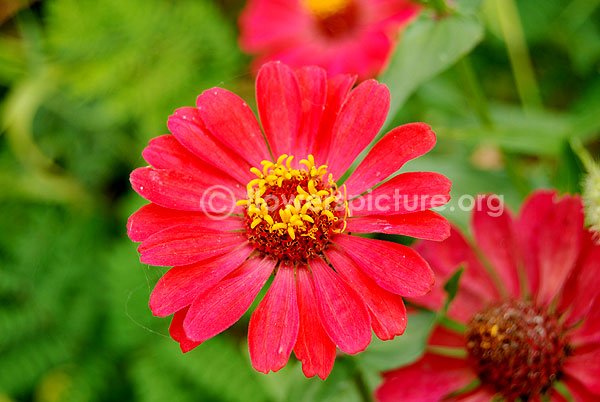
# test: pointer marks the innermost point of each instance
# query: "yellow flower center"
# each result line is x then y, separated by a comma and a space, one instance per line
292, 212
326, 8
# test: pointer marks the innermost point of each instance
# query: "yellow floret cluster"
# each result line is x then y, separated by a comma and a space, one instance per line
290, 200
325, 8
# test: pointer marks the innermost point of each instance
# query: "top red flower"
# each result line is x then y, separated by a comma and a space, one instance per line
529, 300
342, 36
227, 215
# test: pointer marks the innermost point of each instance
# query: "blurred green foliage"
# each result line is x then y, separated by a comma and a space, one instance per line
85, 84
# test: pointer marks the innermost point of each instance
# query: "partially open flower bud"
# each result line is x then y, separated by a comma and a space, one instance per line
591, 199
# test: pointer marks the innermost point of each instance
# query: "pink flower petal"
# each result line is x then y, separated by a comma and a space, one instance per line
274, 324
178, 190
189, 129
423, 225
389, 154
343, 314
363, 112
220, 307
187, 244
152, 218
279, 106
178, 334
338, 89
313, 347
428, 380
531, 217
231, 121
559, 244
394, 267
584, 365
313, 88
494, 234
388, 315
181, 285
405, 193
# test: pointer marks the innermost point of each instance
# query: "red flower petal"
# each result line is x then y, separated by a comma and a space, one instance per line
165, 152
388, 315
279, 106
178, 334
267, 24
559, 244
151, 219
313, 88
447, 256
338, 89
274, 324
343, 314
177, 190
581, 289
556, 397
313, 347
589, 331
441, 336
479, 394
579, 392
493, 230
189, 129
363, 112
405, 193
187, 244
181, 285
232, 122
584, 365
220, 307
389, 154
423, 225
427, 380
394, 267
531, 217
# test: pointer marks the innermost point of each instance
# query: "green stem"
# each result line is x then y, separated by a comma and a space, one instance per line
452, 325
440, 7
512, 30
361, 384
475, 94
583, 154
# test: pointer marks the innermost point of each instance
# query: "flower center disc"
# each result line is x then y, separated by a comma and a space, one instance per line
334, 17
516, 348
290, 212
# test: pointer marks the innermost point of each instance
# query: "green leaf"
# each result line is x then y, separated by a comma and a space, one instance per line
339, 386
451, 286
570, 171
427, 48
402, 350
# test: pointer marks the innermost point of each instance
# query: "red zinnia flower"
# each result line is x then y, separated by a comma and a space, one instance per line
286, 218
529, 300
342, 36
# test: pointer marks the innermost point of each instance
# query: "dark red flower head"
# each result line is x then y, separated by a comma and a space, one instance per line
228, 210
342, 36
528, 300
